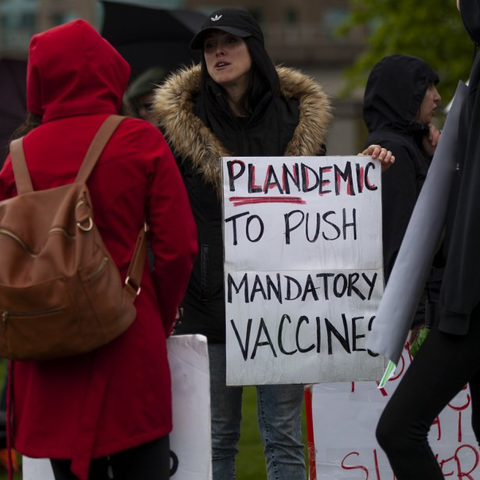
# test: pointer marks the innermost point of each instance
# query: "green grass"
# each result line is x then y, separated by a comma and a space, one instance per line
250, 460
4, 474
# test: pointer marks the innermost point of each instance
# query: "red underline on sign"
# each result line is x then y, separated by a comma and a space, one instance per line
237, 201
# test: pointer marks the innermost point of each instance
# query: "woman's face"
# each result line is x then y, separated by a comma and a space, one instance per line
144, 106
228, 60
429, 105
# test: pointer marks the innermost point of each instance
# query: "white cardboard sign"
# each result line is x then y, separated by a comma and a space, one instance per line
303, 268
345, 416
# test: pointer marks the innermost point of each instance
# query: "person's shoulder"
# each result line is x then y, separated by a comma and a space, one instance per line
312, 100
388, 138
140, 126
135, 135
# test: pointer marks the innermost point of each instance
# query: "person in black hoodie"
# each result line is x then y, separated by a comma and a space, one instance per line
401, 99
450, 355
236, 102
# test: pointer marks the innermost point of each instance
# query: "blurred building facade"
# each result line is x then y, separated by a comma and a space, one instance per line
298, 33
20, 19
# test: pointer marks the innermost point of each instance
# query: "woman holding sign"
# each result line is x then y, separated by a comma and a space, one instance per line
236, 102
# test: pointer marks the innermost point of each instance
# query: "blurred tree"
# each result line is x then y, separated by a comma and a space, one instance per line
429, 29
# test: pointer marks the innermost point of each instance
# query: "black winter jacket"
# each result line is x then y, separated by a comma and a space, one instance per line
461, 287
394, 92
294, 124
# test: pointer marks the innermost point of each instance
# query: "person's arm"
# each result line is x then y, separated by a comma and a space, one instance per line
399, 195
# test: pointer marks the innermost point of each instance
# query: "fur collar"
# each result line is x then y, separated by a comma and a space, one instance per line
190, 138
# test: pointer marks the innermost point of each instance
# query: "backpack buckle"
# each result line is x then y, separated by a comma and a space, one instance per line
133, 286
86, 228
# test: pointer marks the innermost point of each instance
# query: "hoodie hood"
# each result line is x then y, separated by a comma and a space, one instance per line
470, 13
72, 70
394, 92
190, 138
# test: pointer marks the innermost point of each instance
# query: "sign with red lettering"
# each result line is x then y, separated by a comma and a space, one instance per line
345, 416
303, 268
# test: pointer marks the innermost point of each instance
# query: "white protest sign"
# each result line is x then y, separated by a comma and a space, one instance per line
303, 268
190, 440
345, 416
36, 469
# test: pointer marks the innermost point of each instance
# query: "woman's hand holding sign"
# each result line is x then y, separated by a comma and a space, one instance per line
378, 153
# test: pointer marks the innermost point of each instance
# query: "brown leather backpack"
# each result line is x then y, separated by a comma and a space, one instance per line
60, 291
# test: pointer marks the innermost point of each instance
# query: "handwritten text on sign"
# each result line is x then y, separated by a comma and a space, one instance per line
303, 268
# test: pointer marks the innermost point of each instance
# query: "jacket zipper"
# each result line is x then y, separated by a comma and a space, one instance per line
204, 270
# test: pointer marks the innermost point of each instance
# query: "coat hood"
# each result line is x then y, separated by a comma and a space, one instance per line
190, 138
72, 70
394, 92
470, 13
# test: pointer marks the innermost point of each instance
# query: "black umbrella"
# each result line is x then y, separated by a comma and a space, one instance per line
13, 101
147, 36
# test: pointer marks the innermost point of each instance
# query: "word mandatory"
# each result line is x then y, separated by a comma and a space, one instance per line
313, 287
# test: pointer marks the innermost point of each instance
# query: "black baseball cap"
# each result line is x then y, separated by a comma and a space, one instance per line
231, 20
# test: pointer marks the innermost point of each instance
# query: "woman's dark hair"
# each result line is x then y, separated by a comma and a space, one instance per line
264, 77
31, 121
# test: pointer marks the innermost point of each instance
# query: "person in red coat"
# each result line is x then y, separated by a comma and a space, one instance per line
111, 408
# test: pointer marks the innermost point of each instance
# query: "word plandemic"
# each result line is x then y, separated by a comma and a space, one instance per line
283, 179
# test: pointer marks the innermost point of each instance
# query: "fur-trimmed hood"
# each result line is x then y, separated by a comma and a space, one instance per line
190, 138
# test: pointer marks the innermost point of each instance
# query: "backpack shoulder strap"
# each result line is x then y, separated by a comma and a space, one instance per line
99, 142
23, 180
20, 169
137, 264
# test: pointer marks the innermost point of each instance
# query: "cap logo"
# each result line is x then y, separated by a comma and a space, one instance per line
216, 18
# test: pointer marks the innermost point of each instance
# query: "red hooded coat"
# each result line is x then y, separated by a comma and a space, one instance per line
119, 396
